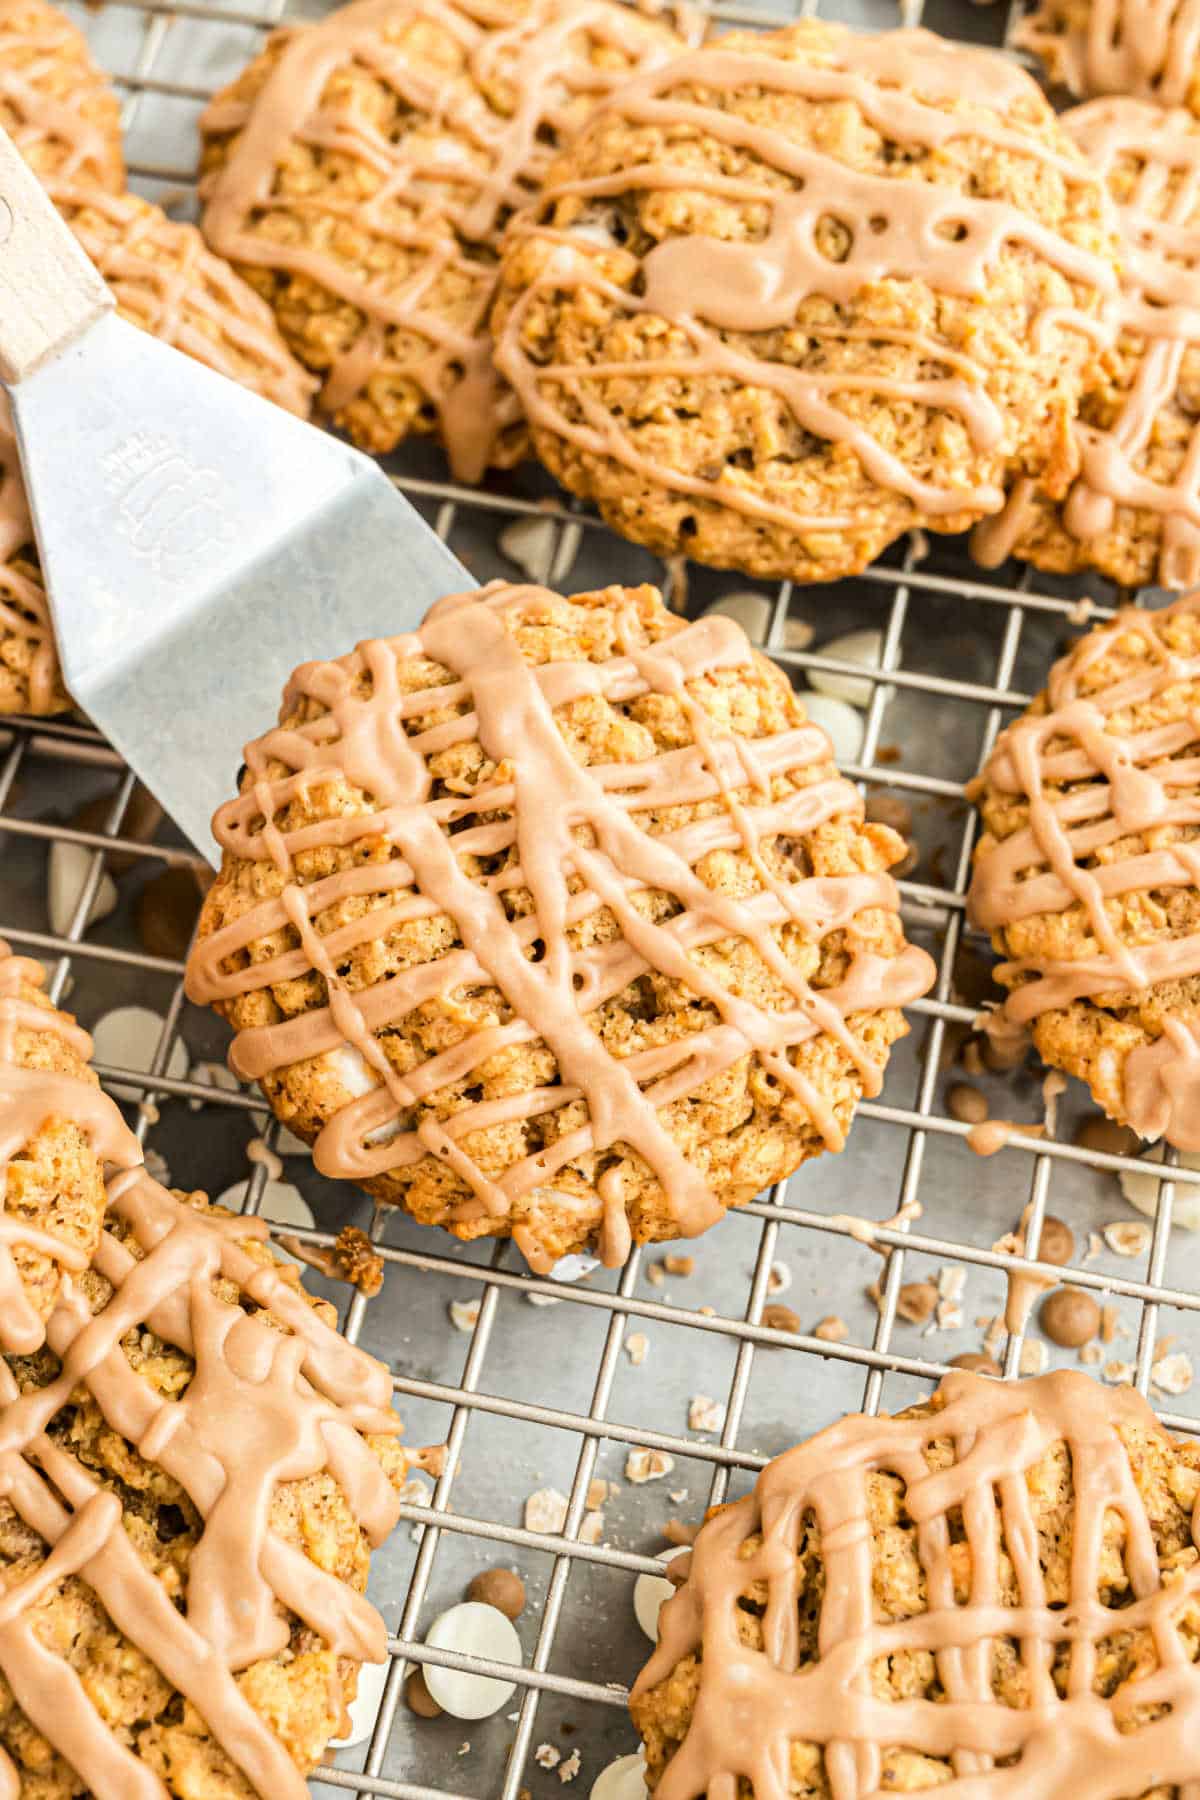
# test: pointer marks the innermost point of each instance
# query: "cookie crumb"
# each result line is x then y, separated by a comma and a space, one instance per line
1172, 1374
916, 1301
679, 1265
705, 1414
779, 1278
1128, 1237
546, 1511
637, 1348
1034, 1357
781, 1318
647, 1465
1091, 1354
655, 1274
592, 1528
1118, 1374
568, 1769
547, 1757
464, 1314
831, 1329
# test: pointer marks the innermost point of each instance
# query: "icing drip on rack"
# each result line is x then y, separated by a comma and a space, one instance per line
715, 292
751, 1704
30, 1098
1146, 48
441, 188
1157, 319
537, 807
263, 1406
1088, 788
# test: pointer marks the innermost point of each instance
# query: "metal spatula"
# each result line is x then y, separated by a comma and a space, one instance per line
197, 542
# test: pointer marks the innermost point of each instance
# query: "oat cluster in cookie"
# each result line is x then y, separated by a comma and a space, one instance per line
1133, 511
555, 919
1087, 874
885, 1612
360, 173
793, 295
1147, 49
56, 105
167, 281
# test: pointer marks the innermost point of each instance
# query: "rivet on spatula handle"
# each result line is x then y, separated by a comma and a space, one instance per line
49, 291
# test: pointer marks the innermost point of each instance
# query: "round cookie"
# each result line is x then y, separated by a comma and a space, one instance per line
564, 925
796, 294
1149, 49
1087, 874
187, 1518
885, 1612
1133, 511
167, 281
57, 1131
56, 105
360, 173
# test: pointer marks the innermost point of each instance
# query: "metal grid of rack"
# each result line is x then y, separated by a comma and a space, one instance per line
960, 651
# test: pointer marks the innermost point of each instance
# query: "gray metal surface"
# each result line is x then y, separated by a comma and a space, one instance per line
534, 1397
192, 535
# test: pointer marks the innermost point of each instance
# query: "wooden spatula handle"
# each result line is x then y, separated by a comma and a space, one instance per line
49, 291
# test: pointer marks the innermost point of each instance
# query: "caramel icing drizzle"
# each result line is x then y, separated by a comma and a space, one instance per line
1157, 320
445, 200
709, 288
74, 146
263, 1406
29, 1098
24, 609
1146, 48
751, 1704
544, 806
1087, 789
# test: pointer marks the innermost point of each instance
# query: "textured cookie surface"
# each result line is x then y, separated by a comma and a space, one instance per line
166, 281
361, 171
885, 1612
1146, 48
55, 104
57, 1131
563, 925
186, 1526
1087, 873
1133, 511
794, 294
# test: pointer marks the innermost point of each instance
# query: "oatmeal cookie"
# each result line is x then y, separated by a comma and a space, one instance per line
197, 1468
1087, 873
58, 107
57, 1131
169, 283
886, 1611
1133, 511
559, 922
1149, 49
360, 173
794, 295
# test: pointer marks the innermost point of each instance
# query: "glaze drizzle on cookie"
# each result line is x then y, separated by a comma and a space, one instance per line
1146, 48
369, 735
751, 1705
1086, 789
59, 136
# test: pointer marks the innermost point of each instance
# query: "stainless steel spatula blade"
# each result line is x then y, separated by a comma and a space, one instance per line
196, 541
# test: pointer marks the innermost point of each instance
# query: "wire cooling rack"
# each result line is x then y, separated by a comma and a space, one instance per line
529, 1399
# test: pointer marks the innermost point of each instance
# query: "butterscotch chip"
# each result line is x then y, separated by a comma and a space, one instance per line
1098, 922
1098, 1133
501, 1588
1122, 47
780, 1318
785, 374
857, 1539
445, 1006
1070, 1316
966, 1104
60, 110
418, 1698
360, 173
1056, 1243
165, 914
916, 1301
977, 1362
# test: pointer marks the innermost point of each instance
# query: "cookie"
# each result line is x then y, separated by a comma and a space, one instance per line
169, 283
996, 1592
1133, 511
360, 173
1094, 47
196, 1469
1087, 874
793, 295
555, 919
57, 1131
56, 105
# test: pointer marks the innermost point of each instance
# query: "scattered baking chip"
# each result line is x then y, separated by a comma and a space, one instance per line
705, 1414
647, 1465
779, 1279
545, 1511
1173, 1374
679, 1265
464, 1314
1034, 1357
1128, 1237
651, 1593
472, 1630
637, 1346
831, 1329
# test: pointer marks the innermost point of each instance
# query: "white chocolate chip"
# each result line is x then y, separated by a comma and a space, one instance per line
864, 647
751, 610
129, 1037
546, 1511
69, 866
624, 1779
1173, 1374
637, 1346
544, 548
842, 725
1142, 1191
464, 1314
705, 1414
651, 1593
647, 1465
364, 1708
1127, 1237
574, 1267
472, 1629
281, 1204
